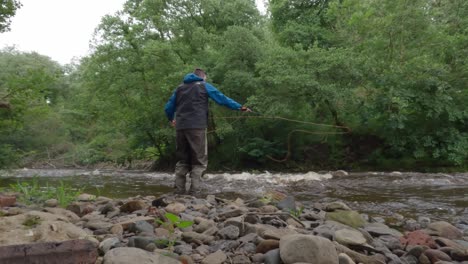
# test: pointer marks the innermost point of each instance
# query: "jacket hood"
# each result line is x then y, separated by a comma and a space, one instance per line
192, 77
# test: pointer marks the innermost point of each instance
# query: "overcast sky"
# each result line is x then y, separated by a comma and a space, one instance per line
60, 29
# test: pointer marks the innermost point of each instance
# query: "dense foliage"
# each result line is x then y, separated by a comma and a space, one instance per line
389, 77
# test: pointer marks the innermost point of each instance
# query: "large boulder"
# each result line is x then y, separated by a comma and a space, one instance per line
68, 252
37, 226
125, 255
307, 248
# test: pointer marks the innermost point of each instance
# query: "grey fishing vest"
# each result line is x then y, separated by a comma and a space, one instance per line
191, 106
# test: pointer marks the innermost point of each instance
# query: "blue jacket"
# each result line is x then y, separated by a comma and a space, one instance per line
212, 92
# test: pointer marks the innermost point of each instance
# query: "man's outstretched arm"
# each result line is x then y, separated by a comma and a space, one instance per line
220, 98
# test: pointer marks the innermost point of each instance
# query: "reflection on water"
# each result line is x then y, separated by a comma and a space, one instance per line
439, 196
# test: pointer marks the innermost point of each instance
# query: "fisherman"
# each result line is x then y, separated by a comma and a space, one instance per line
189, 104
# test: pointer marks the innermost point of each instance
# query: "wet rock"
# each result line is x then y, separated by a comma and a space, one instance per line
345, 259
377, 229
229, 232
349, 218
141, 227
192, 236
124, 255
215, 258
417, 237
307, 248
267, 245
175, 208
272, 257
349, 237
436, 255
444, 229
334, 206
108, 244
132, 206
51, 203
72, 251
7, 201
287, 204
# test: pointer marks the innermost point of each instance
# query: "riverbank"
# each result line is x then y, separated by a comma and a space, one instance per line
213, 230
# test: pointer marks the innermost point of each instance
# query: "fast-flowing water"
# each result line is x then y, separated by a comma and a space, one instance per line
438, 196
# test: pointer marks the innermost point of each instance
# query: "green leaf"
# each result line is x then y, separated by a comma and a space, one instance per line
172, 217
184, 224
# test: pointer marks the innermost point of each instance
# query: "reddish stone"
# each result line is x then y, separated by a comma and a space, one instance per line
67, 252
7, 201
417, 237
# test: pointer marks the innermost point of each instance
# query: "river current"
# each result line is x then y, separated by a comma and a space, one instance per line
438, 196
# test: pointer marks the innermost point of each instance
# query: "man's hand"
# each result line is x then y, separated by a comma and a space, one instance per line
173, 123
245, 109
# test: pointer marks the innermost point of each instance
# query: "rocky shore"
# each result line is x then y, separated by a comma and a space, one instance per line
271, 229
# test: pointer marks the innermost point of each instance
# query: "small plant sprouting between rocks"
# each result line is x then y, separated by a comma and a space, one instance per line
33, 193
173, 222
297, 212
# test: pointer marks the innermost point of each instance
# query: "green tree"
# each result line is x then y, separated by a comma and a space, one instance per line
7, 11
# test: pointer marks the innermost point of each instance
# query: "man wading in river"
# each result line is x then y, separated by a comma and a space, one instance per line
189, 104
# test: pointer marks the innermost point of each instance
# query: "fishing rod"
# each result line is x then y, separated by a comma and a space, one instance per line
346, 129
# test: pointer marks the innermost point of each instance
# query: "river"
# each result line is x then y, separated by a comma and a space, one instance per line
438, 196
